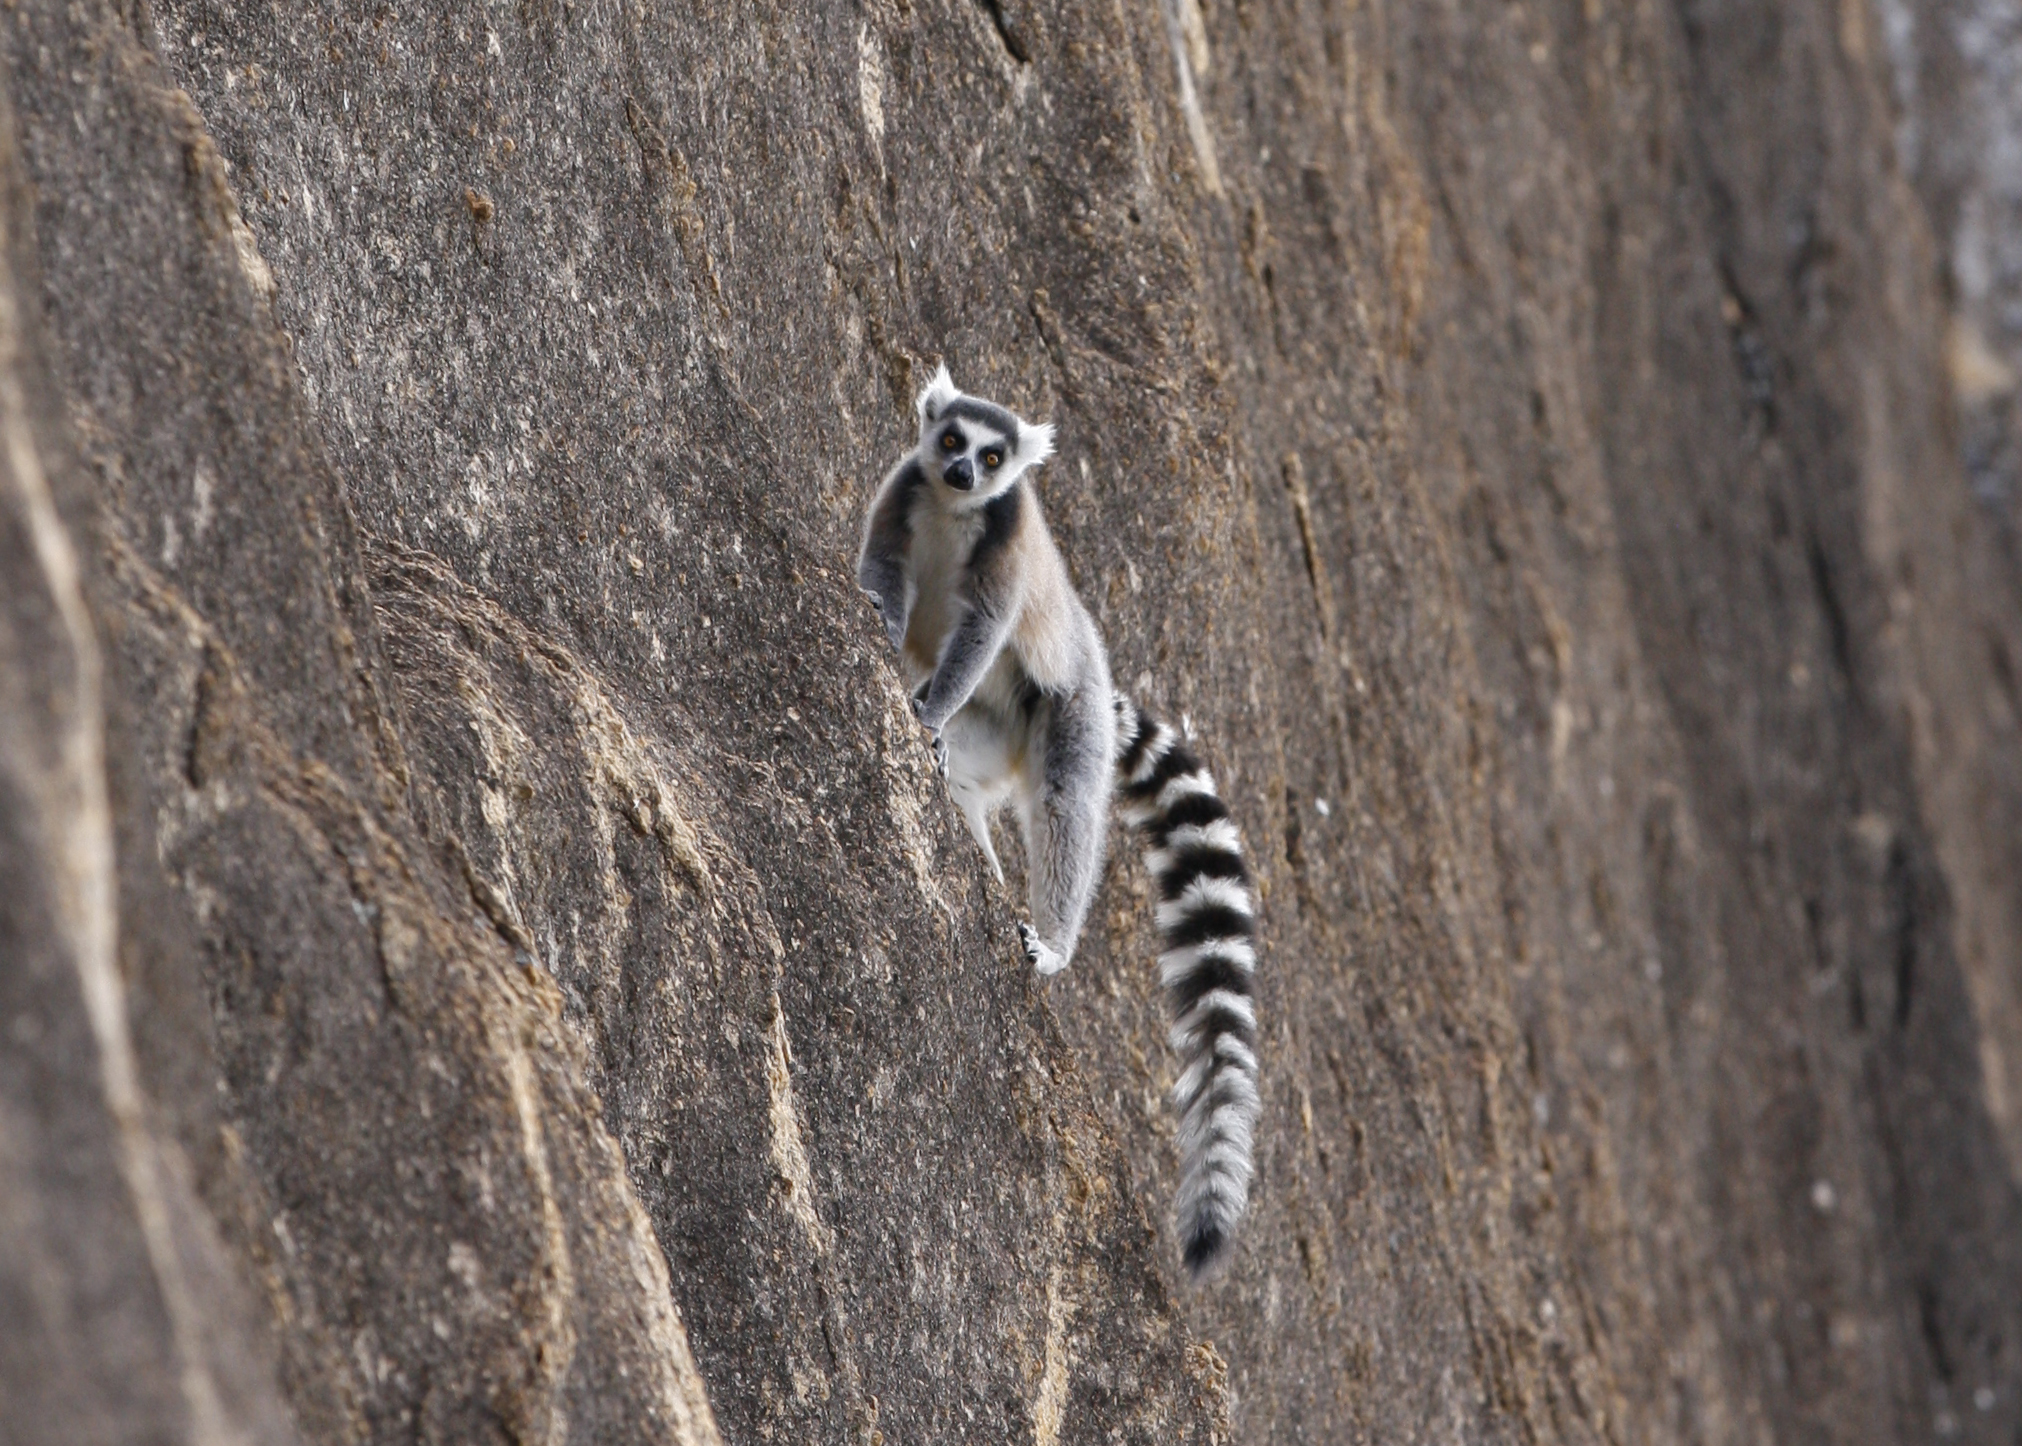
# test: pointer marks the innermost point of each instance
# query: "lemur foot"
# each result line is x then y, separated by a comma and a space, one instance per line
1037, 954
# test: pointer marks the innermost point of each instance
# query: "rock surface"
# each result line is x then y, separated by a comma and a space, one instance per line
488, 959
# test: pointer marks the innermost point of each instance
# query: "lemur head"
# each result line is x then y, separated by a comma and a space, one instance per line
975, 447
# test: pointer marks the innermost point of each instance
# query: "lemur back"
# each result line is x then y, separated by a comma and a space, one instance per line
1012, 681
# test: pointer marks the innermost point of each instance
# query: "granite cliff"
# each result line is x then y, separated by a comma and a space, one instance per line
484, 957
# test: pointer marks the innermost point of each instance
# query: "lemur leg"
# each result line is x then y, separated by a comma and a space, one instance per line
979, 773
1064, 806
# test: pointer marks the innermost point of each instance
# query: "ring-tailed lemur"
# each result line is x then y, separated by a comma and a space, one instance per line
1010, 677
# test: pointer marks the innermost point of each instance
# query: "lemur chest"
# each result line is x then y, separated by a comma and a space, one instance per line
943, 544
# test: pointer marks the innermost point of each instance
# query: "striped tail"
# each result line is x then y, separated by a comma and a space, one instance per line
1207, 922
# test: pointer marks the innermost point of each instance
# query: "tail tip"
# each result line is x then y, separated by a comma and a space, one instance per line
1207, 1249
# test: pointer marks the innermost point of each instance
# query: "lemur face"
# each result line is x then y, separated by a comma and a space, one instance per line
970, 453
972, 446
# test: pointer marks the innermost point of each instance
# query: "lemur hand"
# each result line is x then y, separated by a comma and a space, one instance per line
888, 597
940, 744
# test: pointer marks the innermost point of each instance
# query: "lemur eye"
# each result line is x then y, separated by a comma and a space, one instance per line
949, 442
993, 458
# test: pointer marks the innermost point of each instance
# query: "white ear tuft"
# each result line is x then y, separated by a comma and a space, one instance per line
1035, 443
940, 391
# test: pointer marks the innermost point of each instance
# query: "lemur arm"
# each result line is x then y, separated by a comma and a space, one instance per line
972, 647
888, 538
993, 599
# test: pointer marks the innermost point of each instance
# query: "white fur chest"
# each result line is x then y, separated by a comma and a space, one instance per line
943, 540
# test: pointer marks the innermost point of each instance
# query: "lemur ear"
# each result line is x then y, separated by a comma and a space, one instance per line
940, 391
1035, 443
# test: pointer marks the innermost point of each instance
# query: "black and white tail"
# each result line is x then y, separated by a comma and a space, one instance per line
1207, 921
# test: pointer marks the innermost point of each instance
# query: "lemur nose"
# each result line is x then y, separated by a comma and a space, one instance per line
959, 474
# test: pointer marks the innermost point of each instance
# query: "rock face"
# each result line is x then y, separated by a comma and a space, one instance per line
486, 957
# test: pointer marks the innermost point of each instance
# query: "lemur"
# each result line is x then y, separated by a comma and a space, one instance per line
1011, 679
